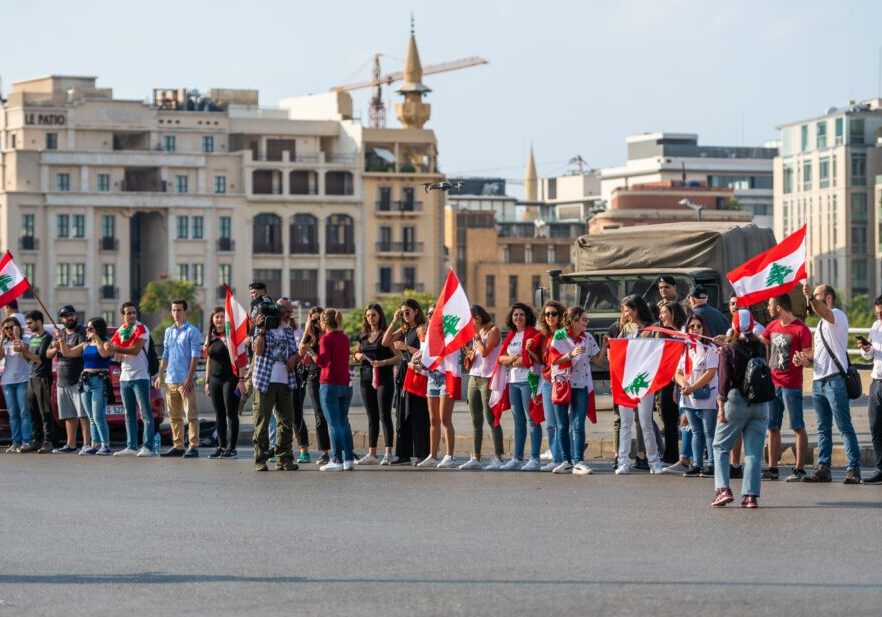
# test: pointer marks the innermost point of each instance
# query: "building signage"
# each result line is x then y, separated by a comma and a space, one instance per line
35, 119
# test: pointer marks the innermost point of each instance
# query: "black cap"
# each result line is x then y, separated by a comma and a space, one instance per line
698, 291
667, 278
257, 285
65, 310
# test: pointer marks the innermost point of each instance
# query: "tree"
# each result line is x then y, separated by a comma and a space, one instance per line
353, 319
156, 302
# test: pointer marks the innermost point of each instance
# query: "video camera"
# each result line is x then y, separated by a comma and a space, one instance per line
270, 313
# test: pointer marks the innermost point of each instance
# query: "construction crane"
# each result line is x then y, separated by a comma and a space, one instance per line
377, 108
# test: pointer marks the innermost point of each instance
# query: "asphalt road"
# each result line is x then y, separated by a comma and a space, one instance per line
198, 537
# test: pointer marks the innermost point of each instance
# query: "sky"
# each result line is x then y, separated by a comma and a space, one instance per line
569, 77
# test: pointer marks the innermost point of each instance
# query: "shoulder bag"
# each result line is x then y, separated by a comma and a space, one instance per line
851, 376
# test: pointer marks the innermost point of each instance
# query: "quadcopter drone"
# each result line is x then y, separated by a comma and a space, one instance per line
441, 186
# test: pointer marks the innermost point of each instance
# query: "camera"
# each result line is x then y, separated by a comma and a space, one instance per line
270, 313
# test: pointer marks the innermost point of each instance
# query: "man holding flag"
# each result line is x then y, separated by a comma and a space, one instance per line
130, 344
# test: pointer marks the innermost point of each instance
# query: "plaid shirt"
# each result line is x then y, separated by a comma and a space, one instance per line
277, 345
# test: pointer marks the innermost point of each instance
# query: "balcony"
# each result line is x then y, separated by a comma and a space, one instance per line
109, 292
226, 244
399, 287
28, 243
305, 248
399, 247
399, 207
339, 249
109, 244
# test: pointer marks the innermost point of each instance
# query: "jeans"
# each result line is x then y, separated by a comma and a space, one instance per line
644, 411
321, 427
132, 391
830, 399
556, 438
478, 397
685, 440
335, 404
95, 403
571, 425
791, 400
16, 395
519, 394
874, 413
753, 421
703, 422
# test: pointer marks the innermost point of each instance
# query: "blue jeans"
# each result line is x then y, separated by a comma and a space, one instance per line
335, 405
571, 425
702, 422
555, 437
791, 400
137, 390
753, 421
16, 395
95, 405
830, 399
519, 395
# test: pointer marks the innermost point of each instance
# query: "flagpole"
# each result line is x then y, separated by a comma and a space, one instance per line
43, 306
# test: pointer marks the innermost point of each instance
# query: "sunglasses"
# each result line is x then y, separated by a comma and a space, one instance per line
9, 327
90, 328
552, 314
695, 327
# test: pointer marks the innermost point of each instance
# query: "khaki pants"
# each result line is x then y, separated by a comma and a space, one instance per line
280, 398
179, 405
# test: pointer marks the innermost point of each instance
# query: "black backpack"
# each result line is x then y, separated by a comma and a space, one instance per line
152, 358
757, 386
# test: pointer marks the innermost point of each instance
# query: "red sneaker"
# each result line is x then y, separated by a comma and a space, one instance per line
749, 501
724, 496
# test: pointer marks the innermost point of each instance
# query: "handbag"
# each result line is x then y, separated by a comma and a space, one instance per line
851, 377
702, 394
561, 392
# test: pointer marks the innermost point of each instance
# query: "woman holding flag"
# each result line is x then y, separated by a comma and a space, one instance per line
550, 319
521, 323
222, 386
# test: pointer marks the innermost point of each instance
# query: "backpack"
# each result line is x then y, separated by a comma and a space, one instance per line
152, 358
757, 386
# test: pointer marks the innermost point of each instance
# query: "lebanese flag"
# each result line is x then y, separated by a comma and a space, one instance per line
561, 345
537, 410
127, 337
12, 282
640, 366
772, 273
237, 322
451, 325
499, 399
452, 376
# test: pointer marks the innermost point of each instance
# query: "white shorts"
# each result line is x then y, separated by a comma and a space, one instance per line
70, 405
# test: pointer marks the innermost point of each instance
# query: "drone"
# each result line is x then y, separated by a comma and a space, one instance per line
441, 186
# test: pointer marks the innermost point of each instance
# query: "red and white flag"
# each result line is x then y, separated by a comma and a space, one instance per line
128, 336
237, 322
640, 366
452, 375
451, 325
499, 400
12, 282
561, 345
771, 273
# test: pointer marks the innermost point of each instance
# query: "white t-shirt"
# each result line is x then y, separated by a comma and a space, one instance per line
580, 373
16, 369
517, 374
135, 367
481, 366
702, 358
836, 335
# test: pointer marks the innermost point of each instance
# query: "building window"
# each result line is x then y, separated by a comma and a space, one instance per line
408, 239
108, 226
340, 288
338, 183
272, 279
169, 143
859, 239
552, 254
62, 275
183, 272
384, 284
803, 138
385, 238
182, 184
339, 235
859, 207
108, 317
858, 169
834, 171
108, 275
859, 276
198, 225
63, 225
14, 140
78, 278
535, 282
838, 139
408, 277
224, 274
28, 271
385, 202
856, 136
304, 287
490, 289
807, 175
103, 184
79, 226
225, 227
267, 236
208, 144
62, 182
824, 173
821, 135
552, 188
198, 272
220, 184
512, 288
303, 234
28, 225
183, 227
788, 179
506, 253
52, 141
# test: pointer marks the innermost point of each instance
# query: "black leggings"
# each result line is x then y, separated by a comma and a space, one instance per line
412, 425
226, 409
378, 404
669, 411
321, 426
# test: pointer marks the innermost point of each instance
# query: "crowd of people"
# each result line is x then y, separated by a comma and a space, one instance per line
708, 416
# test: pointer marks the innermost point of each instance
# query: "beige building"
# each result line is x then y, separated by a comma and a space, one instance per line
99, 195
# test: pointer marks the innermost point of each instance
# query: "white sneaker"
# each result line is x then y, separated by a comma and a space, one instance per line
547, 455
367, 459
495, 464
145, 451
581, 469
472, 463
565, 467
657, 468
548, 466
388, 459
623, 469
348, 465
332, 466
512, 464
532, 465
447, 462
428, 462
126, 452
677, 468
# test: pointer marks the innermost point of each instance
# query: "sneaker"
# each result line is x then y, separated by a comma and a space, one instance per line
532, 465
622, 470
12, 449
230, 454
28, 447
852, 476
692, 472
820, 474
581, 469
303, 457
447, 462
770, 473
428, 462
87, 450
349, 465
104, 451
367, 459
260, 466
707, 472
876, 478
641, 464
512, 464
736, 472
65, 449
749, 502
549, 466
472, 463
331, 466
145, 451
798, 475
495, 464
677, 467
274, 458
46, 448
286, 464
724, 496
657, 468
388, 459
126, 452
324, 459
191, 453
546, 456
217, 453
173, 452
565, 467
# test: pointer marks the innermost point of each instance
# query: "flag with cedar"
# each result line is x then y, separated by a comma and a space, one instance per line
641, 366
561, 345
12, 282
237, 323
450, 328
128, 336
771, 273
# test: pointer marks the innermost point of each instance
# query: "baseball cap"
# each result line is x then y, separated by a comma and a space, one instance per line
66, 309
667, 278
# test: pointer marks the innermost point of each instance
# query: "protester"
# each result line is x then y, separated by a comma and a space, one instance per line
440, 403
715, 322
377, 382
310, 374
181, 351
871, 349
736, 416
11, 310
301, 434
16, 375
67, 391
131, 346
673, 317
222, 386
482, 358
40, 382
521, 323
551, 318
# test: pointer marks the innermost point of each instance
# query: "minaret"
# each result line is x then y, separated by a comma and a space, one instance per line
413, 113
531, 192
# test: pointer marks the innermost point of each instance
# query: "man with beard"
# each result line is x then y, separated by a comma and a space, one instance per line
67, 392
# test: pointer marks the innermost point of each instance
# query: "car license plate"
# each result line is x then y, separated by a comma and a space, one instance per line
116, 410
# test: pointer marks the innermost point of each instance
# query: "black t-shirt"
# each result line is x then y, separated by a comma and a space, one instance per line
70, 369
39, 345
221, 367
374, 351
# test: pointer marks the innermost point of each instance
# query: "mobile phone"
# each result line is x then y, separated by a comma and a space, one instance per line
862, 340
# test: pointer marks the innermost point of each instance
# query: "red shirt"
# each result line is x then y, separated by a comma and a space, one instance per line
333, 358
784, 341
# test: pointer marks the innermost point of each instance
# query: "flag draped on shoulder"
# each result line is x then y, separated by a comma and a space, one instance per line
562, 344
640, 366
771, 273
237, 322
12, 282
499, 398
127, 336
450, 327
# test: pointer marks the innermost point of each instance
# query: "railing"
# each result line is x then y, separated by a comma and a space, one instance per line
109, 292
109, 244
305, 248
145, 187
268, 249
399, 247
399, 287
340, 249
28, 243
226, 244
399, 206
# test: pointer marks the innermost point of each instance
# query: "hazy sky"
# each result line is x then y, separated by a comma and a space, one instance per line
570, 77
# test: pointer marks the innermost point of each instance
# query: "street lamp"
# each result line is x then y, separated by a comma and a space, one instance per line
697, 207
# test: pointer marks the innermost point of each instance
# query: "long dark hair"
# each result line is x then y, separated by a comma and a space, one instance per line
557, 306
528, 312
636, 303
100, 327
311, 333
419, 317
366, 327
678, 313
215, 311
481, 313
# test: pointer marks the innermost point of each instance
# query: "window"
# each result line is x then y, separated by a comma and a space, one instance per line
28, 225
858, 239
859, 207
858, 169
340, 289
62, 182
856, 134
385, 202
490, 289
807, 176
407, 199
78, 278
339, 235
108, 317
304, 287
224, 273
408, 239
62, 275
512, 288
535, 282
821, 135
303, 234
63, 225
267, 236
52, 141
385, 236
838, 138
103, 184
225, 227
824, 173
79, 226
552, 254
762, 209
168, 143
198, 272
859, 276
833, 171
28, 271
14, 136
183, 272
272, 279
220, 184
408, 277
338, 183
182, 184
384, 284
198, 225
183, 227
108, 275
788, 179
208, 144
552, 188
803, 138
108, 226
